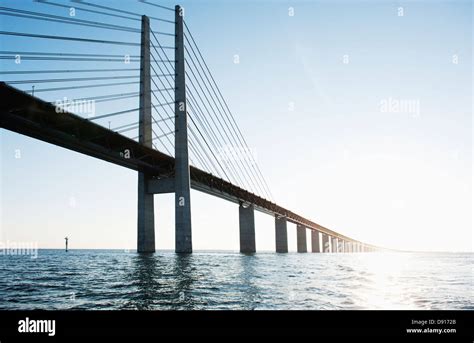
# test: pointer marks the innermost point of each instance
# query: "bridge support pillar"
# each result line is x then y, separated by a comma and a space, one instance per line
247, 229
146, 216
281, 236
183, 242
301, 238
326, 247
334, 245
315, 241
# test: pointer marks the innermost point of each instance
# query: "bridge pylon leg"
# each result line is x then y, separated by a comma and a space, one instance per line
183, 235
146, 215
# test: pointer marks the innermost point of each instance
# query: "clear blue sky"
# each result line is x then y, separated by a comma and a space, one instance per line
328, 147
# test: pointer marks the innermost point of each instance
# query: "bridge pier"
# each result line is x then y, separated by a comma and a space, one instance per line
281, 236
146, 215
315, 241
326, 246
247, 229
301, 238
334, 245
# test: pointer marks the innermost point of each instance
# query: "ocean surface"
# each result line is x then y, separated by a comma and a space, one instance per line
118, 279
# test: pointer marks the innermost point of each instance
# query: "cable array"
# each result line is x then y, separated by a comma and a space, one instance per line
109, 80
210, 114
103, 87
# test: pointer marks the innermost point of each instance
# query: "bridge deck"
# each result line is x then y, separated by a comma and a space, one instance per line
33, 117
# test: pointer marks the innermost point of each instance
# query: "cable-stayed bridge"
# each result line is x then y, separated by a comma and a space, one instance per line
180, 132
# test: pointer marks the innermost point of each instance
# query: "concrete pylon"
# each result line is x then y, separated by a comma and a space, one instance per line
315, 241
146, 215
326, 246
183, 242
247, 229
301, 239
281, 236
334, 245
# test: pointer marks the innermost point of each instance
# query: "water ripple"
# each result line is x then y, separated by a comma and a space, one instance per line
114, 279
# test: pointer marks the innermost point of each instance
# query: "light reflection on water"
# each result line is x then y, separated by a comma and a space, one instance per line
114, 279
